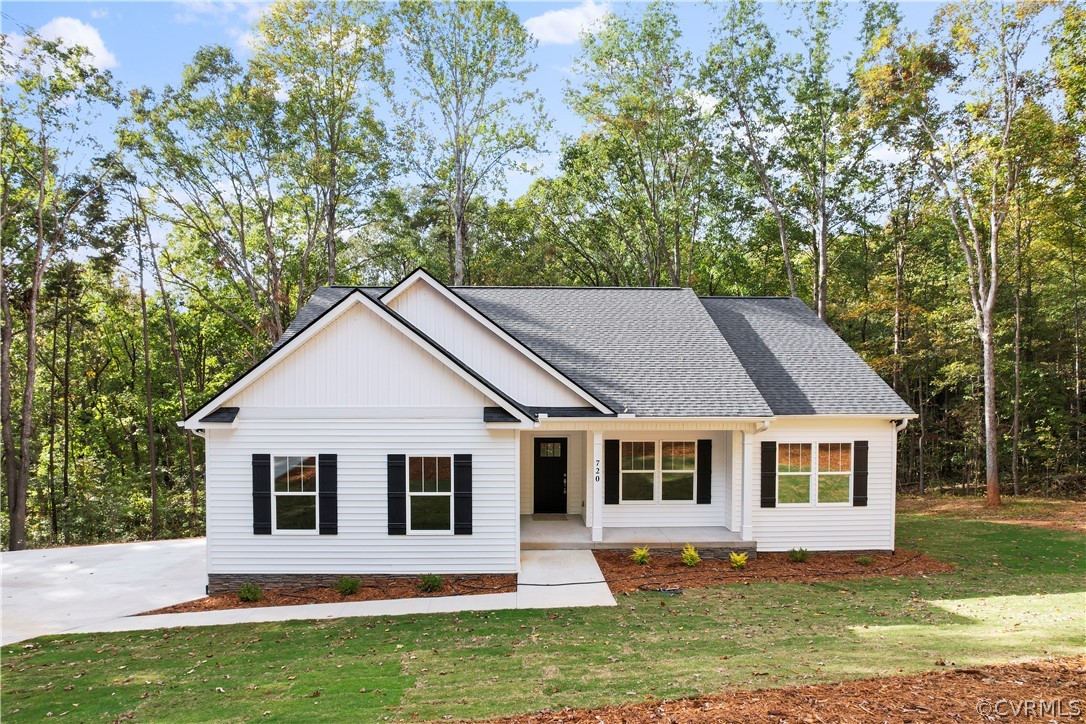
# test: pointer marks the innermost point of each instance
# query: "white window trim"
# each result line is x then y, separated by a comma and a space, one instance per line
812, 482
315, 494
658, 472
449, 495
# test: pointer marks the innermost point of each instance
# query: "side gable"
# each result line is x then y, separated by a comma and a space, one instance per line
358, 353
486, 347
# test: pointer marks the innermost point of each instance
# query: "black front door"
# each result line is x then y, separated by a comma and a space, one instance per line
550, 475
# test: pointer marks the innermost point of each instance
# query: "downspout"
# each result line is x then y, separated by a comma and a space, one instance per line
901, 425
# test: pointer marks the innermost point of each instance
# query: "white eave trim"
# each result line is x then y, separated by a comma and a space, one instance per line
332, 314
421, 275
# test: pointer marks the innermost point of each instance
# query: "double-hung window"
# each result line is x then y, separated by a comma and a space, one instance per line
814, 474
678, 462
429, 492
295, 493
658, 471
834, 472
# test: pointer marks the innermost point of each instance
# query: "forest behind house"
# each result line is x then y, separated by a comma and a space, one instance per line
921, 188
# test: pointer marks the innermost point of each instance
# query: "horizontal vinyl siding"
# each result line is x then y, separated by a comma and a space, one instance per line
481, 349
362, 544
632, 515
830, 527
359, 360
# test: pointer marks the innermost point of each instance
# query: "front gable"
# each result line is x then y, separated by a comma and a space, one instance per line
359, 360
482, 345
359, 355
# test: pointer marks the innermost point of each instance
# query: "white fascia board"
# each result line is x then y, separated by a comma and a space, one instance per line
332, 314
825, 416
421, 275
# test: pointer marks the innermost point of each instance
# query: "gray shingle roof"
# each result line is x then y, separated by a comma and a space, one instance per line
799, 364
649, 352
665, 352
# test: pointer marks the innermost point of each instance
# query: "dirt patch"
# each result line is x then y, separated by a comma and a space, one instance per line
1040, 512
986, 693
369, 590
666, 570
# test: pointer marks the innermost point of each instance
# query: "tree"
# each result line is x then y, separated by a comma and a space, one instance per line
326, 56
972, 150
646, 164
211, 153
470, 113
796, 124
56, 94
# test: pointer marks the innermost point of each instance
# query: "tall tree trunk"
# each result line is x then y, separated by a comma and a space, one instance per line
175, 351
65, 480
151, 460
53, 526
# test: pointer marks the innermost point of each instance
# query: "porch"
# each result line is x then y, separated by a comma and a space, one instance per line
662, 484
569, 532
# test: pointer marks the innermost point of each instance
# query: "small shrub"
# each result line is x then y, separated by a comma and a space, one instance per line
250, 592
641, 556
431, 583
739, 561
799, 555
348, 586
690, 555
865, 560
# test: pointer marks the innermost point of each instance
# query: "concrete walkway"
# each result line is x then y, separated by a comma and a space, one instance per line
548, 579
54, 590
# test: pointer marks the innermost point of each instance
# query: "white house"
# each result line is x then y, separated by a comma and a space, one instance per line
426, 429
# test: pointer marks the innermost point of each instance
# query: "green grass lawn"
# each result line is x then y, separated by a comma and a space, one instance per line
1020, 592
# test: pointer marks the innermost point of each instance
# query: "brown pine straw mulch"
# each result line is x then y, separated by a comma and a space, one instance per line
370, 590
963, 694
666, 570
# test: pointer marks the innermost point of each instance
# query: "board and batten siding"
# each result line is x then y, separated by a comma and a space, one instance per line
359, 360
677, 514
362, 545
830, 527
481, 349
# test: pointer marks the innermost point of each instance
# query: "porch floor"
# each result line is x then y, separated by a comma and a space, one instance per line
571, 534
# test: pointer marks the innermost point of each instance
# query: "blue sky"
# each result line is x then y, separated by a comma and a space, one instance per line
148, 43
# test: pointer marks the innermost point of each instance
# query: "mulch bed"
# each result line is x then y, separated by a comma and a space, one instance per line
666, 570
370, 590
985, 693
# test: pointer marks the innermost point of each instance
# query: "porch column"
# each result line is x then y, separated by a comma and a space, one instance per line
747, 483
596, 481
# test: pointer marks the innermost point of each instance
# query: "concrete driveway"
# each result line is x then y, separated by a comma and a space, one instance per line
53, 590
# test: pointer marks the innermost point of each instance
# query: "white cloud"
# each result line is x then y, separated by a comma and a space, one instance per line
99, 13
189, 11
71, 32
564, 27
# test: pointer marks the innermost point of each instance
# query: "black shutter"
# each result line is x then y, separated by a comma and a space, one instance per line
859, 473
262, 523
610, 472
462, 494
397, 495
327, 478
704, 478
769, 474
